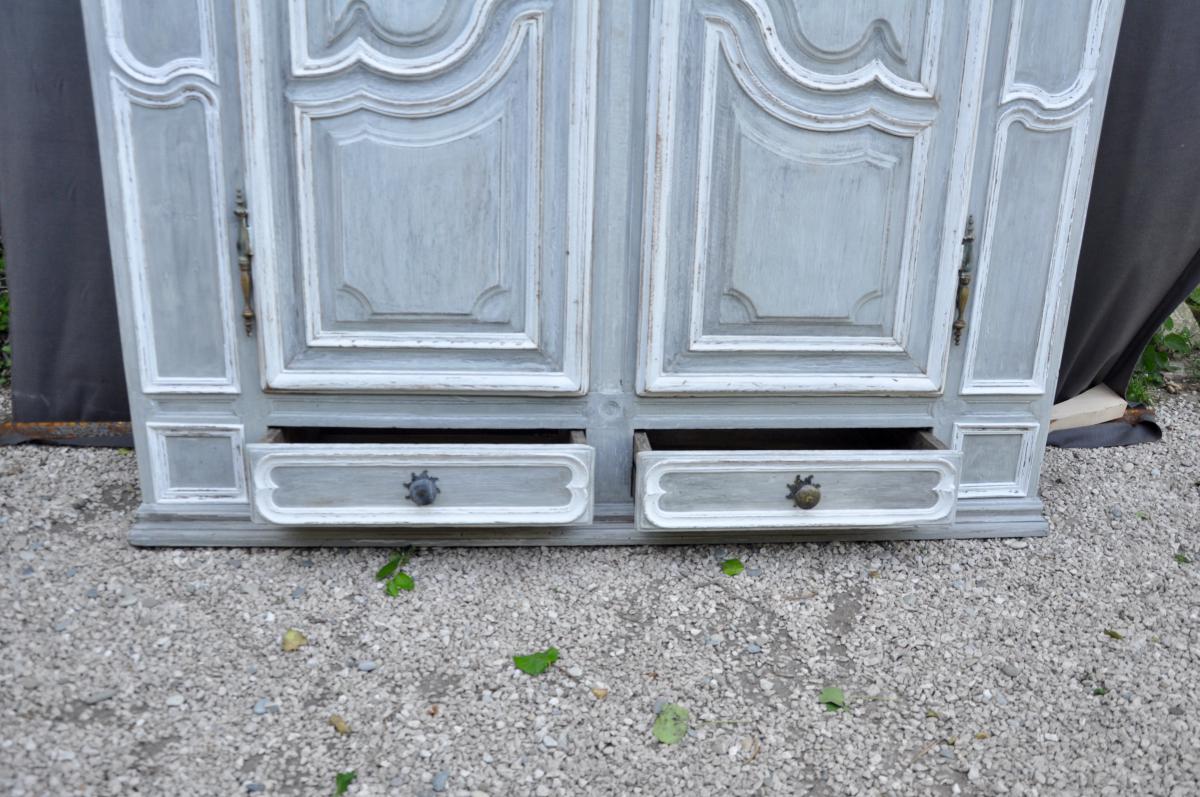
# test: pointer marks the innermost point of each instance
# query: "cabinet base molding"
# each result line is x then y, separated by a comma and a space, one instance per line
1012, 519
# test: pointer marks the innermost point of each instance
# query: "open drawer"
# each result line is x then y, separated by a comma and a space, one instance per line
323, 477
793, 479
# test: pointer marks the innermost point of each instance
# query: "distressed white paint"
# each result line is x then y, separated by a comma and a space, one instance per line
1039, 288
721, 50
219, 374
361, 51
749, 489
202, 64
1022, 467
874, 71
906, 355
481, 485
840, 89
1085, 69
166, 490
457, 354
526, 37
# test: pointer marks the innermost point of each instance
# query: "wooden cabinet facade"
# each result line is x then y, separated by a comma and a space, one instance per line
586, 271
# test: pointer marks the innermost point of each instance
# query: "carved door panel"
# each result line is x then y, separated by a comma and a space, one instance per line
809, 163
420, 192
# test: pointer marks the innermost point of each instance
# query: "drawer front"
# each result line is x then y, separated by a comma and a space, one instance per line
697, 490
382, 485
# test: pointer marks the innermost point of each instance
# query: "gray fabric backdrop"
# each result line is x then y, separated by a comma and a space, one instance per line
1141, 249
66, 352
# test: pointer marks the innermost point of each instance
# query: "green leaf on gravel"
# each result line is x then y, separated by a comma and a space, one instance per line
343, 781
293, 640
671, 724
536, 663
833, 698
1108, 632
731, 567
399, 559
1182, 558
400, 581
1100, 691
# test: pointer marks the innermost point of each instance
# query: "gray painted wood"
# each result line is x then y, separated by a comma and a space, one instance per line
424, 228
480, 197
371, 484
739, 297
695, 489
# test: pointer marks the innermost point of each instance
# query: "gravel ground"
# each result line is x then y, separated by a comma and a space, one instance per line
1064, 665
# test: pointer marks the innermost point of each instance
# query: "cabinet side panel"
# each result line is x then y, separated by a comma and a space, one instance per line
169, 163
1048, 76
177, 254
1043, 128
163, 157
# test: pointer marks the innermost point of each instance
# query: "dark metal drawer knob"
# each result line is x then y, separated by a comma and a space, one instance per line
423, 489
805, 492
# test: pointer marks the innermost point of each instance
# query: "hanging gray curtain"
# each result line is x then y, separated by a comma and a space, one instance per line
1141, 248
66, 350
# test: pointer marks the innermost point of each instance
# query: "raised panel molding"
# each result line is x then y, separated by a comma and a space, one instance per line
525, 36
207, 314
680, 352
876, 26
400, 24
1048, 98
722, 49
360, 51
203, 65
501, 472
992, 338
167, 490
875, 71
513, 355
747, 489
1025, 463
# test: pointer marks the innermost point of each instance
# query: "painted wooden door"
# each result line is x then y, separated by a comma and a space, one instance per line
420, 192
808, 168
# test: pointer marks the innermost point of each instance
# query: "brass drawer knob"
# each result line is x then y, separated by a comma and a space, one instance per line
423, 489
805, 492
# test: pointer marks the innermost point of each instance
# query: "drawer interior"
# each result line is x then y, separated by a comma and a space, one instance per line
341, 436
786, 440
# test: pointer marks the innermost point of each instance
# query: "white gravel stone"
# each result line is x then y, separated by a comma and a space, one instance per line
1072, 711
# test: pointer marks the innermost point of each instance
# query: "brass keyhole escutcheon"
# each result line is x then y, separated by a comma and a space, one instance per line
423, 489
805, 492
